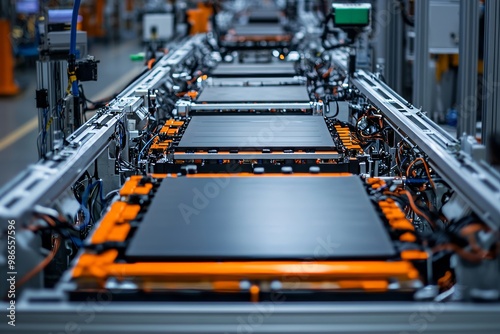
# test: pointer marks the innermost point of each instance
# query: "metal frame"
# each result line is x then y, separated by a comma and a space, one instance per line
467, 70
43, 182
491, 87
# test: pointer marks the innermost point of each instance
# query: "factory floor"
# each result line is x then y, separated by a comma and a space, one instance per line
19, 124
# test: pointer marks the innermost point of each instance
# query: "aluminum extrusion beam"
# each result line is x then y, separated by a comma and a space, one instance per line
421, 97
43, 182
491, 87
467, 69
394, 36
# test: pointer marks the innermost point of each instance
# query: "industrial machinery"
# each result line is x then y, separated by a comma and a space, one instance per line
263, 184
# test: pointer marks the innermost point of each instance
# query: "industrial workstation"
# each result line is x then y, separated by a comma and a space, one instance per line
264, 166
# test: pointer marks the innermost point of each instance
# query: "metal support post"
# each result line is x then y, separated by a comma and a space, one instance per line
51, 75
491, 89
421, 96
467, 70
394, 36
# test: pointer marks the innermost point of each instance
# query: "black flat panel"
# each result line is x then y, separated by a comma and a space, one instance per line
264, 30
250, 132
264, 16
240, 70
263, 19
266, 218
261, 94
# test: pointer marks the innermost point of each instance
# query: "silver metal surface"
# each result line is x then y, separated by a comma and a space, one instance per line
467, 69
491, 85
444, 26
60, 40
102, 316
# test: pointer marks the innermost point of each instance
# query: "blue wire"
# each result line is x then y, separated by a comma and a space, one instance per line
85, 199
76, 241
421, 180
72, 45
402, 163
44, 125
101, 196
147, 144
86, 193
86, 211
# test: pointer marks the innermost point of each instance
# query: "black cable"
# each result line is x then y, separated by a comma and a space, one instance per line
338, 108
335, 46
62, 227
326, 31
78, 183
407, 19
215, 26
96, 172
